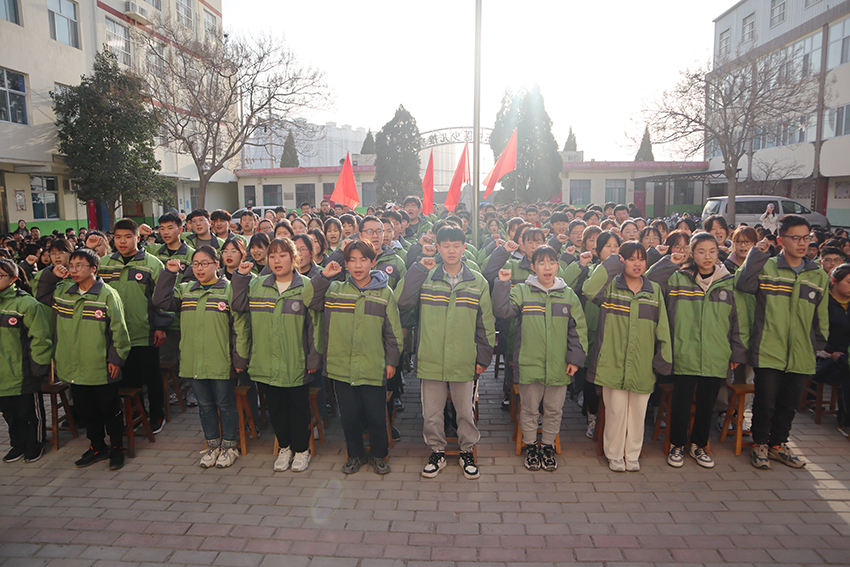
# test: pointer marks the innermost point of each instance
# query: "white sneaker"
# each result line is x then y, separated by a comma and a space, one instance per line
632, 466
617, 465
209, 457
747, 426
301, 461
227, 457
676, 457
591, 425
702, 458
284, 459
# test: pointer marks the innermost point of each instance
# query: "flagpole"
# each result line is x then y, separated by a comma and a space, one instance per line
476, 121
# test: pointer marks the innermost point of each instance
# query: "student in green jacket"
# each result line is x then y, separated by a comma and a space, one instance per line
703, 315
362, 348
92, 344
284, 353
791, 323
219, 339
418, 224
551, 345
26, 347
456, 337
201, 235
632, 344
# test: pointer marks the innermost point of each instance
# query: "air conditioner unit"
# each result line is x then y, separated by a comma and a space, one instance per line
137, 13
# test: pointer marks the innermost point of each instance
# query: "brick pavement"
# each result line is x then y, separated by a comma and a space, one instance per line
162, 509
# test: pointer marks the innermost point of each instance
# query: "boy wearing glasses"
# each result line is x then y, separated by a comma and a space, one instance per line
92, 344
792, 294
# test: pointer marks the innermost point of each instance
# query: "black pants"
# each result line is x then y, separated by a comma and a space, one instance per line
25, 416
706, 388
142, 369
591, 398
99, 408
289, 414
359, 404
775, 402
837, 374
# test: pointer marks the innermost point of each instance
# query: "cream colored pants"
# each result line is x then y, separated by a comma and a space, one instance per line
624, 418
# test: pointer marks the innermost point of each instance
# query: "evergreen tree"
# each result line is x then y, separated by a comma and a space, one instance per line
644, 153
290, 154
571, 145
368, 144
397, 163
106, 130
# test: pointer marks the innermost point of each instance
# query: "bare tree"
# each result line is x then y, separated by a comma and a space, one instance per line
767, 176
725, 106
219, 90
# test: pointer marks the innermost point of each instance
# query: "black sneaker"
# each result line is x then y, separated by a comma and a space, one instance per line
506, 403
34, 455
157, 424
14, 454
548, 460
532, 458
353, 464
398, 404
381, 466
396, 434
436, 463
91, 457
116, 458
467, 463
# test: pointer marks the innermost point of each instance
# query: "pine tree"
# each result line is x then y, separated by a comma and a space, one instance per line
644, 153
368, 144
290, 154
571, 145
397, 163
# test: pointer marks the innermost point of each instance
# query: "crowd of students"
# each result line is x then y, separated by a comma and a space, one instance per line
586, 301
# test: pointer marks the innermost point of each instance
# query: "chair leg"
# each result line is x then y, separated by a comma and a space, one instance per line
66, 408
243, 439
739, 425
728, 419
819, 402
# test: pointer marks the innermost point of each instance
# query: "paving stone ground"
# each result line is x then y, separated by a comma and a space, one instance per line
162, 509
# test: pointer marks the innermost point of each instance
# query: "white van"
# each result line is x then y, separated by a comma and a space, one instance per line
750, 208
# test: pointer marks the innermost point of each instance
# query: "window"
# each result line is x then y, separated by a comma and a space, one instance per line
724, 44
13, 97
62, 15
45, 197
838, 50
272, 195
118, 40
811, 2
9, 11
754, 207
615, 191
210, 24
156, 4
184, 13
327, 190
793, 207
837, 122
807, 54
749, 28
579, 191
250, 195
193, 197
157, 59
305, 192
777, 12
683, 192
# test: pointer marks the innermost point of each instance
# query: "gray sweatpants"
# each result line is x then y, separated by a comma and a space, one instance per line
434, 396
553, 409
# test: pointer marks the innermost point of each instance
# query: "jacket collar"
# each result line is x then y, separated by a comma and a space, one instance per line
440, 274
184, 248
645, 287
808, 264
139, 255
219, 284
525, 263
94, 289
297, 280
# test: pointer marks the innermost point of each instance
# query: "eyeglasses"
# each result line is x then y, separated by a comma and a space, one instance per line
750, 242
229, 252
77, 267
799, 239
202, 264
371, 231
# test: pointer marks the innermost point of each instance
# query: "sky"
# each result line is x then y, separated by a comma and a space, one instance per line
598, 63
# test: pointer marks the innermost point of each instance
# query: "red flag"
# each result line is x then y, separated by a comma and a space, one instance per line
505, 163
345, 190
428, 187
461, 175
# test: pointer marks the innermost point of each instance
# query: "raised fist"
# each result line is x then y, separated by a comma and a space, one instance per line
511, 246
504, 275
429, 249
585, 258
763, 245
500, 242
31, 259
145, 230
662, 249
173, 266
571, 249
678, 258
563, 238
429, 263
332, 269
245, 268
425, 240
60, 271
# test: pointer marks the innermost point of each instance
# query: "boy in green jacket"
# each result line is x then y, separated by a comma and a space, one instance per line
791, 323
26, 346
92, 344
456, 337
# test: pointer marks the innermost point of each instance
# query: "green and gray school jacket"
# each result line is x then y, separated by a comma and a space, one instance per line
362, 331
26, 342
192, 239
216, 337
388, 261
184, 254
520, 267
633, 338
550, 333
419, 228
135, 282
456, 329
90, 330
704, 325
791, 319
574, 275
285, 335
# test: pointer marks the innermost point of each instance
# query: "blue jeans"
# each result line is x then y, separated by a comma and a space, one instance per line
217, 397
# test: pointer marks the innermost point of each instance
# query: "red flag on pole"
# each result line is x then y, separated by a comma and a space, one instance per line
345, 190
428, 187
505, 163
460, 177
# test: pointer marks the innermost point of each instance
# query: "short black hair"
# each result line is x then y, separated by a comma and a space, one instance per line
603, 239
368, 218
533, 234
61, 244
558, 217
218, 214
412, 199
544, 252
208, 250
87, 254
348, 219
198, 213
259, 239
450, 234
790, 221
126, 224
170, 217
628, 250
621, 208
305, 204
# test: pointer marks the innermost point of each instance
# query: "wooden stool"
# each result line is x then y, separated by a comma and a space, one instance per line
737, 402
499, 361
316, 421
664, 406
59, 400
518, 432
243, 408
169, 378
514, 402
134, 414
817, 390
263, 422
600, 424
